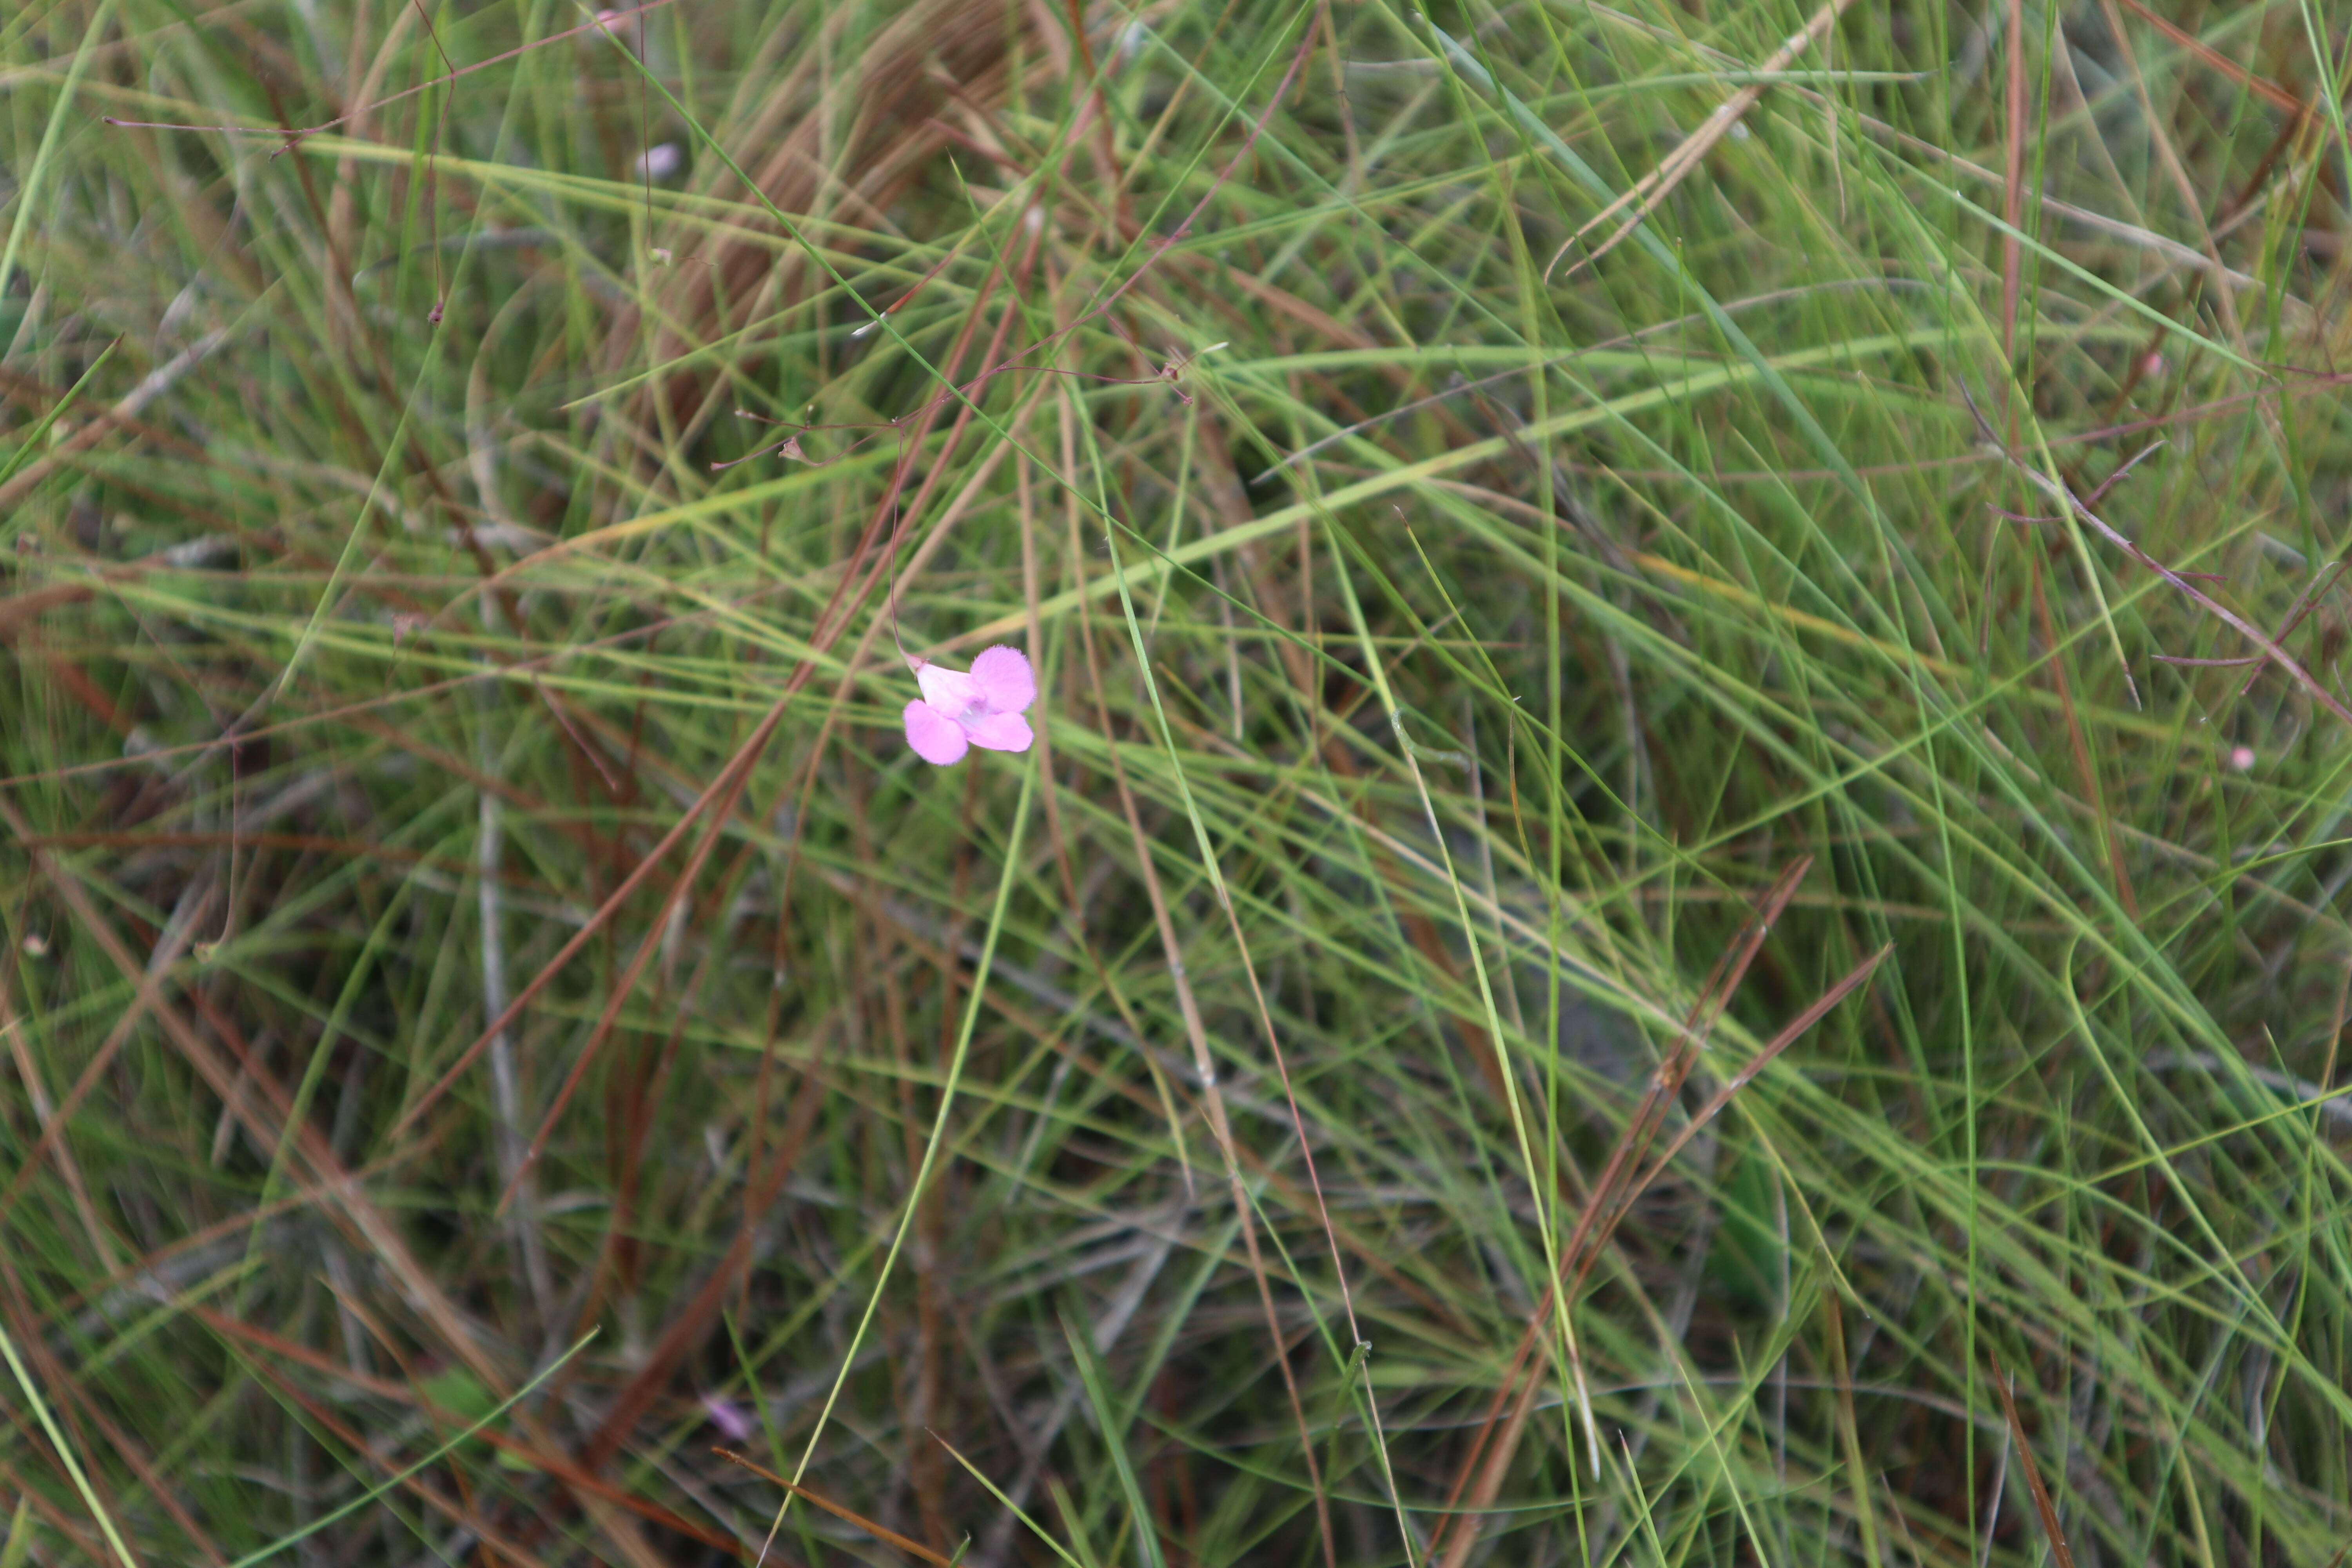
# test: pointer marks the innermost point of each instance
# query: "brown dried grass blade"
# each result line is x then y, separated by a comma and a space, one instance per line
880, 1533
1590, 1235
1671, 170
2261, 87
2204, 601
1465, 1524
2079, 744
2041, 1493
1739, 1081
1585, 1241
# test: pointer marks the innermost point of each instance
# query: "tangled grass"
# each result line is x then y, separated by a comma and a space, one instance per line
1679, 900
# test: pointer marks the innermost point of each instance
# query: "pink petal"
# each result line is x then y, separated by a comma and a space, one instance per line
937, 739
1004, 680
1000, 732
951, 692
729, 1417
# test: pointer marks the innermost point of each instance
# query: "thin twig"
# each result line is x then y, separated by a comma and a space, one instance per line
1676, 166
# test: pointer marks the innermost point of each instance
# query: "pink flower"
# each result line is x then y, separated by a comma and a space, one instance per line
958, 711
729, 1417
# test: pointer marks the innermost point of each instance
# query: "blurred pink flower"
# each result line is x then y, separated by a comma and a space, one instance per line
729, 1417
983, 707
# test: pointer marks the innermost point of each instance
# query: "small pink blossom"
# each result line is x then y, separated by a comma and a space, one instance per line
958, 709
729, 1417
2242, 758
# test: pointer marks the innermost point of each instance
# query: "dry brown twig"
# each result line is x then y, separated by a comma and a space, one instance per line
1613, 1193
2075, 504
1676, 165
2046, 1511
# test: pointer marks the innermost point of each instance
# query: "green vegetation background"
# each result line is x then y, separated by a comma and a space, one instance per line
1675, 762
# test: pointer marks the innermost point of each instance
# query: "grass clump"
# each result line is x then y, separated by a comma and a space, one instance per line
1678, 901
